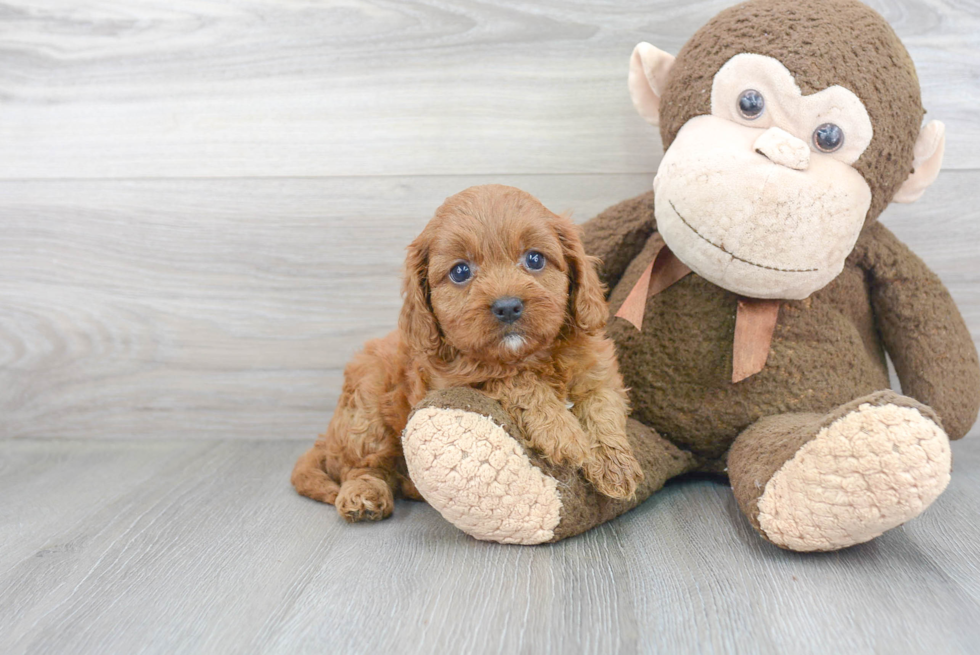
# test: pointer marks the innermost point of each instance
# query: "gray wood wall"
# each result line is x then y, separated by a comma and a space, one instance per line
204, 205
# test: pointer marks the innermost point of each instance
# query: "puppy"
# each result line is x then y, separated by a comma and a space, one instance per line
499, 296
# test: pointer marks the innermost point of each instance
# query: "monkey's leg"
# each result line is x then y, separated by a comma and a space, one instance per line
812, 482
464, 461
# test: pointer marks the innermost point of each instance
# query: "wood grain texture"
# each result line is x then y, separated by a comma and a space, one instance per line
203, 212
164, 547
208, 308
228, 308
271, 88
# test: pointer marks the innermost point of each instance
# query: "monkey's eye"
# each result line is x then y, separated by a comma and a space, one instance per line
751, 104
533, 260
460, 272
828, 137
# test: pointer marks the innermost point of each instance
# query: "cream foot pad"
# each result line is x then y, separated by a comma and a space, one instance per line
479, 478
869, 471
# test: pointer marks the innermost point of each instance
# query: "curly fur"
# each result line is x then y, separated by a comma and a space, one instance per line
556, 353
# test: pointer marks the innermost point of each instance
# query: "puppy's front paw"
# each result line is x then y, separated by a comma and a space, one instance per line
613, 471
364, 499
566, 444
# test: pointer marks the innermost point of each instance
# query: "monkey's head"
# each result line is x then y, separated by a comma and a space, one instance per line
788, 127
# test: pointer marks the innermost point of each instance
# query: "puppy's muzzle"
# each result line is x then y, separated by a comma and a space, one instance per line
507, 310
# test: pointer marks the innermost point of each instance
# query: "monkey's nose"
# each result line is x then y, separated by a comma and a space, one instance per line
781, 147
508, 309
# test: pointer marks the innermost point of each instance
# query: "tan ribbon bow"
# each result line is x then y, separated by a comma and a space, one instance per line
755, 319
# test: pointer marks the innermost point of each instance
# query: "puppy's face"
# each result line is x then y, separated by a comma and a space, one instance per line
499, 284
503, 275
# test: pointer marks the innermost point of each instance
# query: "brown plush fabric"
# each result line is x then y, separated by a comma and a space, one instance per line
927, 338
761, 450
828, 349
618, 234
471, 400
825, 351
582, 506
823, 43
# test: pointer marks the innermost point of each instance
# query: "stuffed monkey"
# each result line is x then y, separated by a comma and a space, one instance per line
755, 296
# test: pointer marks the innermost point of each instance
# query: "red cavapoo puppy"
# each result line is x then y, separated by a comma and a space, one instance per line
499, 296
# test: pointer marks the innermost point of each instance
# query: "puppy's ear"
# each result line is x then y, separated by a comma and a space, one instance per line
417, 323
587, 296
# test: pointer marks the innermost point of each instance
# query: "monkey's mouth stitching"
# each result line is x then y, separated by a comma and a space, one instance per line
733, 255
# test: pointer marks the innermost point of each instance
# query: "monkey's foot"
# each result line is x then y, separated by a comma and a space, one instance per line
465, 463
873, 468
478, 477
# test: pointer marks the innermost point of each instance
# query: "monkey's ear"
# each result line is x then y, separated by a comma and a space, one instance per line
926, 164
649, 67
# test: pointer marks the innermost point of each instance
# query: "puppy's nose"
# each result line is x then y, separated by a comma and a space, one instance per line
507, 310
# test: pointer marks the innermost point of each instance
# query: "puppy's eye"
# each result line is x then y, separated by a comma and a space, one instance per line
533, 260
460, 272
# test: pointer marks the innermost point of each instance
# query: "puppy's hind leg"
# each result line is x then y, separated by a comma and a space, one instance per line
365, 497
355, 464
365, 456
310, 476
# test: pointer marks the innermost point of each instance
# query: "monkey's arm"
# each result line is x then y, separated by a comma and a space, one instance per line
618, 234
923, 331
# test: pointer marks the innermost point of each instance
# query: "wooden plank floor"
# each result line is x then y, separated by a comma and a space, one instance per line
226, 309
265, 88
203, 212
202, 547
